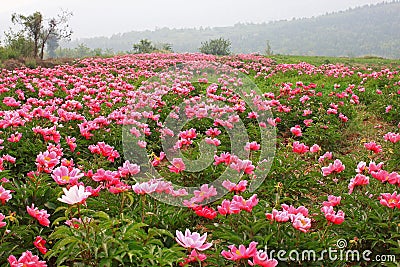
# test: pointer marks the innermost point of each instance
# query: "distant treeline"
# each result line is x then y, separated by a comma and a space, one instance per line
368, 30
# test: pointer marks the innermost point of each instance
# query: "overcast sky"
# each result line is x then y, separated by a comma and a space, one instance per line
105, 17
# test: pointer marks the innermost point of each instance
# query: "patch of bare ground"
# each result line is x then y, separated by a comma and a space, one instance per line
365, 127
19, 63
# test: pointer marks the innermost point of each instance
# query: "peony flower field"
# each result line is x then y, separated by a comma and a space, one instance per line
198, 160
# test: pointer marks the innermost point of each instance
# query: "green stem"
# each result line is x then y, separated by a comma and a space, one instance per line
121, 209
143, 201
325, 231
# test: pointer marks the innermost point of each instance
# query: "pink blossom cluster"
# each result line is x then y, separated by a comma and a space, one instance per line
297, 216
104, 150
328, 211
253, 256
237, 204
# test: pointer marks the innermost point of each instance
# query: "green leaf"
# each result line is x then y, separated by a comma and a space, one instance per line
65, 241
101, 215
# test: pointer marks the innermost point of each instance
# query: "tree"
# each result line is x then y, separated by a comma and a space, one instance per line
268, 49
144, 46
19, 45
220, 47
165, 47
52, 45
35, 29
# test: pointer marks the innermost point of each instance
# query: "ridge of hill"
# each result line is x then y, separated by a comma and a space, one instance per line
368, 30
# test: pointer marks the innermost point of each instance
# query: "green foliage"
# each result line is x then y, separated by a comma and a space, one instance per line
144, 46
268, 49
368, 30
164, 48
82, 51
103, 241
17, 45
128, 229
34, 30
52, 45
219, 47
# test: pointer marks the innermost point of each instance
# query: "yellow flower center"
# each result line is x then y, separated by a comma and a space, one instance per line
65, 178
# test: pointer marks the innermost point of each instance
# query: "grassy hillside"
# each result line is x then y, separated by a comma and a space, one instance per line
368, 30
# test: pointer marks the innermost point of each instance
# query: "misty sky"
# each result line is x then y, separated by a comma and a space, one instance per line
104, 18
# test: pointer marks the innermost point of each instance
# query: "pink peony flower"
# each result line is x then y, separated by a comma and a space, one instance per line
2, 217
177, 165
358, 180
392, 137
294, 211
253, 146
40, 215
373, 147
315, 148
299, 148
5, 195
62, 175
192, 240
224, 157
390, 200
144, 188
343, 118
240, 203
213, 132
278, 216
336, 167
39, 244
236, 254
75, 195
46, 161
226, 209
15, 137
71, 143
128, 169
243, 165
332, 201
296, 130
193, 257
157, 160
373, 167
331, 216
232, 187
205, 192
327, 155
301, 223
362, 167
27, 259
205, 212
308, 122
213, 141
261, 259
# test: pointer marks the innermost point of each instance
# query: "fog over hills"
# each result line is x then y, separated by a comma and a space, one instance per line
368, 30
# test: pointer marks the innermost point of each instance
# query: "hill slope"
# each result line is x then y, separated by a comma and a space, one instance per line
367, 30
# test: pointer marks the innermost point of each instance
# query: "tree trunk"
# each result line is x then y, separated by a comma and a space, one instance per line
41, 51
36, 48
